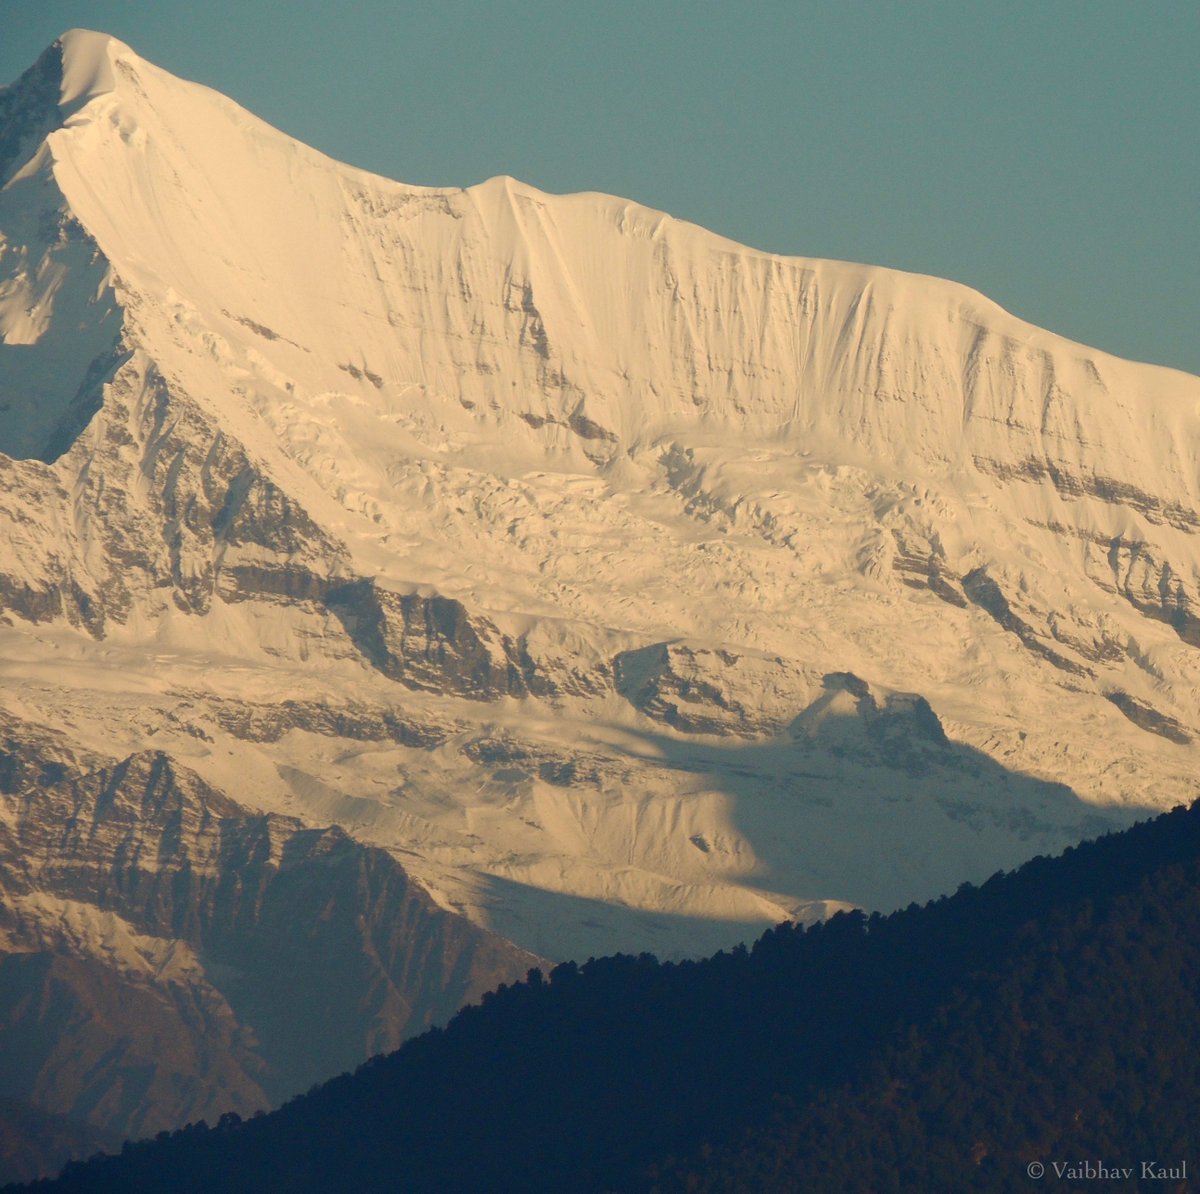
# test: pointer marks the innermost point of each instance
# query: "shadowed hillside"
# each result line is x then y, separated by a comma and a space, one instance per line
1050, 1012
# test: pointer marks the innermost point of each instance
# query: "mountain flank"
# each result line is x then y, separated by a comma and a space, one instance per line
166, 955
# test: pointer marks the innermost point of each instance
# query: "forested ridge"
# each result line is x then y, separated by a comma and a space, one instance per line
1076, 1049
1050, 1014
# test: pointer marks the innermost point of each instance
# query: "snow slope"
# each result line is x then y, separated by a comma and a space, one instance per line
658, 587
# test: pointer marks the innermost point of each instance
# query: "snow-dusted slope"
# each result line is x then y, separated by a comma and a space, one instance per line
638, 587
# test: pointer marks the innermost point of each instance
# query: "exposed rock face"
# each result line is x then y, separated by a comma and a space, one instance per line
984, 592
436, 644
357, 723
124, 1056
168, 955
1150, 719
704, 691
173, 500
29, 110
430, 643
1153, 588
901, 731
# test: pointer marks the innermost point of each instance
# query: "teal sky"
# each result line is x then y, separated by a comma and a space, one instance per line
1046, 153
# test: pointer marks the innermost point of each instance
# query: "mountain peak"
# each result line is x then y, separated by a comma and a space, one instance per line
493, 445
69, 74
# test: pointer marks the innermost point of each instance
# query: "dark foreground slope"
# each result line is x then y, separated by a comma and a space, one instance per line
1074, 1056
1048, 1015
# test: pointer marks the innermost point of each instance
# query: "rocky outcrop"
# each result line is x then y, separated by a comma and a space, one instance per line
253, 722
29, 110
919, 567
1153, 587
984, 591
901, 731
163, 502
435, 644
430, 643
1073, 484
702, 691
130, 1057
1152, 720
203, 500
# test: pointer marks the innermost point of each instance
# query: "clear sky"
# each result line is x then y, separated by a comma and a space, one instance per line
1046, 152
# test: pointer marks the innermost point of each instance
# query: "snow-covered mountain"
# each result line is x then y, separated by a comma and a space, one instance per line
636, 589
